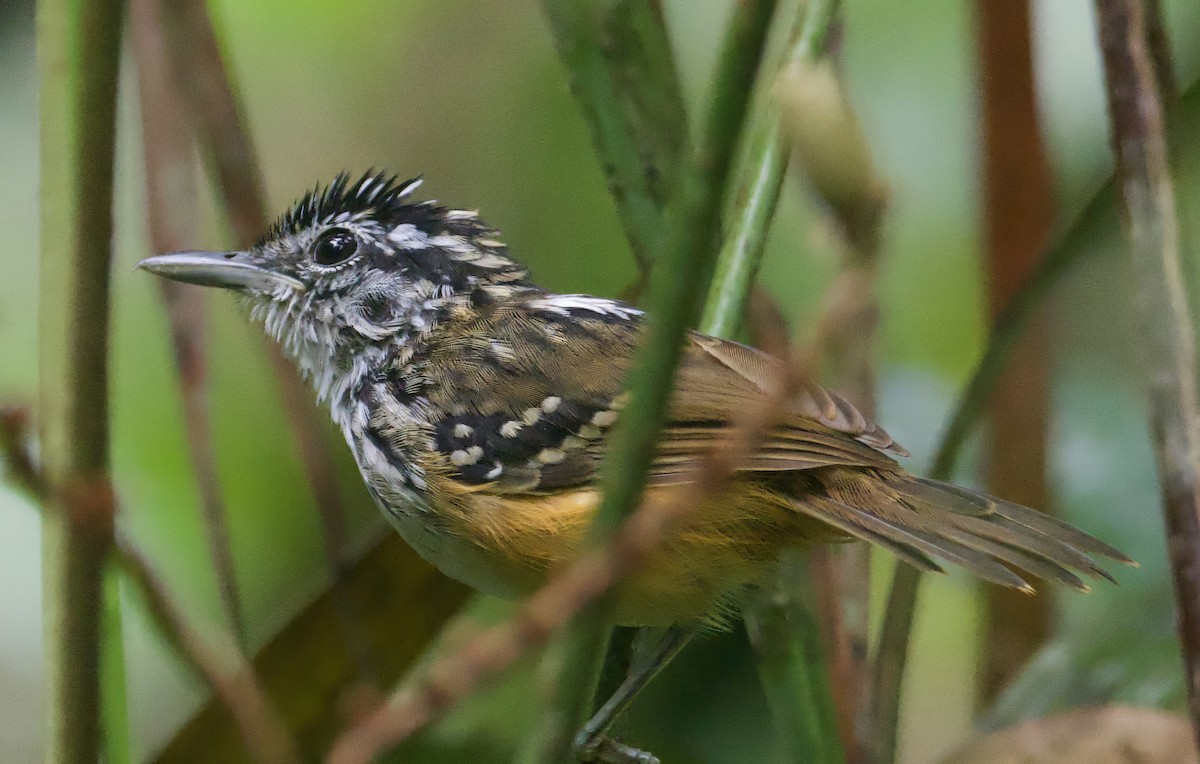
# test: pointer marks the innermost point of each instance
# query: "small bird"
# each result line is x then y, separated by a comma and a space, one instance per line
478, 406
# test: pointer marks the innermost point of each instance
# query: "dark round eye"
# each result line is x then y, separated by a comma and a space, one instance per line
335, 246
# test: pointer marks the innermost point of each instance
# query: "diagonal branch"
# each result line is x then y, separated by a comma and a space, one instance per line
677, 285
215, 111
168, 148
216, 658
453, 676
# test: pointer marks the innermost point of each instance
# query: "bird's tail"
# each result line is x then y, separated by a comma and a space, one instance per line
918, 519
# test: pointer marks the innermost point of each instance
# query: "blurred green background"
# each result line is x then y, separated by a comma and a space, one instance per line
471, 94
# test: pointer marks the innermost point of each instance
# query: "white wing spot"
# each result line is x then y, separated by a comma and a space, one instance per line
531, 416
551, 455
494, 472
551, 404
511, 428
604, 418
463, 430
502, 351
462, 458
589, 432
563, 304
573, 442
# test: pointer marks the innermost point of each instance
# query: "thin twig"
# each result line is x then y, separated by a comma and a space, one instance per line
677, 285
168, 147
79, 49
618, 58
831, 149
216, 113
1134, 73
895, 634
215, 657
14, 447
1063, 255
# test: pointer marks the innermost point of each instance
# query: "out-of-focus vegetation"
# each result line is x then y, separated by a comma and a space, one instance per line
470, 94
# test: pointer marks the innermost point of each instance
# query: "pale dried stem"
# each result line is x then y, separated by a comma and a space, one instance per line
1140, 97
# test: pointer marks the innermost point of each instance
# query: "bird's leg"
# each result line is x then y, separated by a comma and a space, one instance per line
592, 742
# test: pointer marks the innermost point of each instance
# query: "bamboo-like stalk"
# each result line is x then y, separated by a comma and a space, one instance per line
619, 62
1136, 67
79, 46
677, 283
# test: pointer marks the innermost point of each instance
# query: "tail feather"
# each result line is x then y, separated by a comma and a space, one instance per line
869, 530
910, 539
988, 537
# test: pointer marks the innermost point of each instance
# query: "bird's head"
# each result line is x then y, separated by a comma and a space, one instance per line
354, 264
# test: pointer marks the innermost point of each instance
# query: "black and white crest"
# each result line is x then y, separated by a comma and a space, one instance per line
377, 195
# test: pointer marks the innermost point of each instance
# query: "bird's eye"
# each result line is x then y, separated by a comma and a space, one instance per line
335, 246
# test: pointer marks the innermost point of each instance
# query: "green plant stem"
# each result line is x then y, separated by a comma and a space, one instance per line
79, 47
782, 629
791, 666
677, 282
118, 747
621, 70
800, 31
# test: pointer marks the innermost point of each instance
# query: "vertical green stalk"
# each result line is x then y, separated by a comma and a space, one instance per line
793, 670
114, 700
799, 33
677, 283
782, 629
79, 47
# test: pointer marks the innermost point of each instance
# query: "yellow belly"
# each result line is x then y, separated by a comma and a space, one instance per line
507, 545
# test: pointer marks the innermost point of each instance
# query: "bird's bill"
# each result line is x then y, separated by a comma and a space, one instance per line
230, 270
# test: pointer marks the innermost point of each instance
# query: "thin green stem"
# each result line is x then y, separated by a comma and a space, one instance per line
619, 62
792, 668
677, 283
79, 47
800, 31
783, 631
896, 631
114, 700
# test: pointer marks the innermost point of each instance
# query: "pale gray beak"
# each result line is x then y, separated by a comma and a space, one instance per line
230, 270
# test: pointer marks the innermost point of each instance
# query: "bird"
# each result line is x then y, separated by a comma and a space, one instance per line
478, 407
